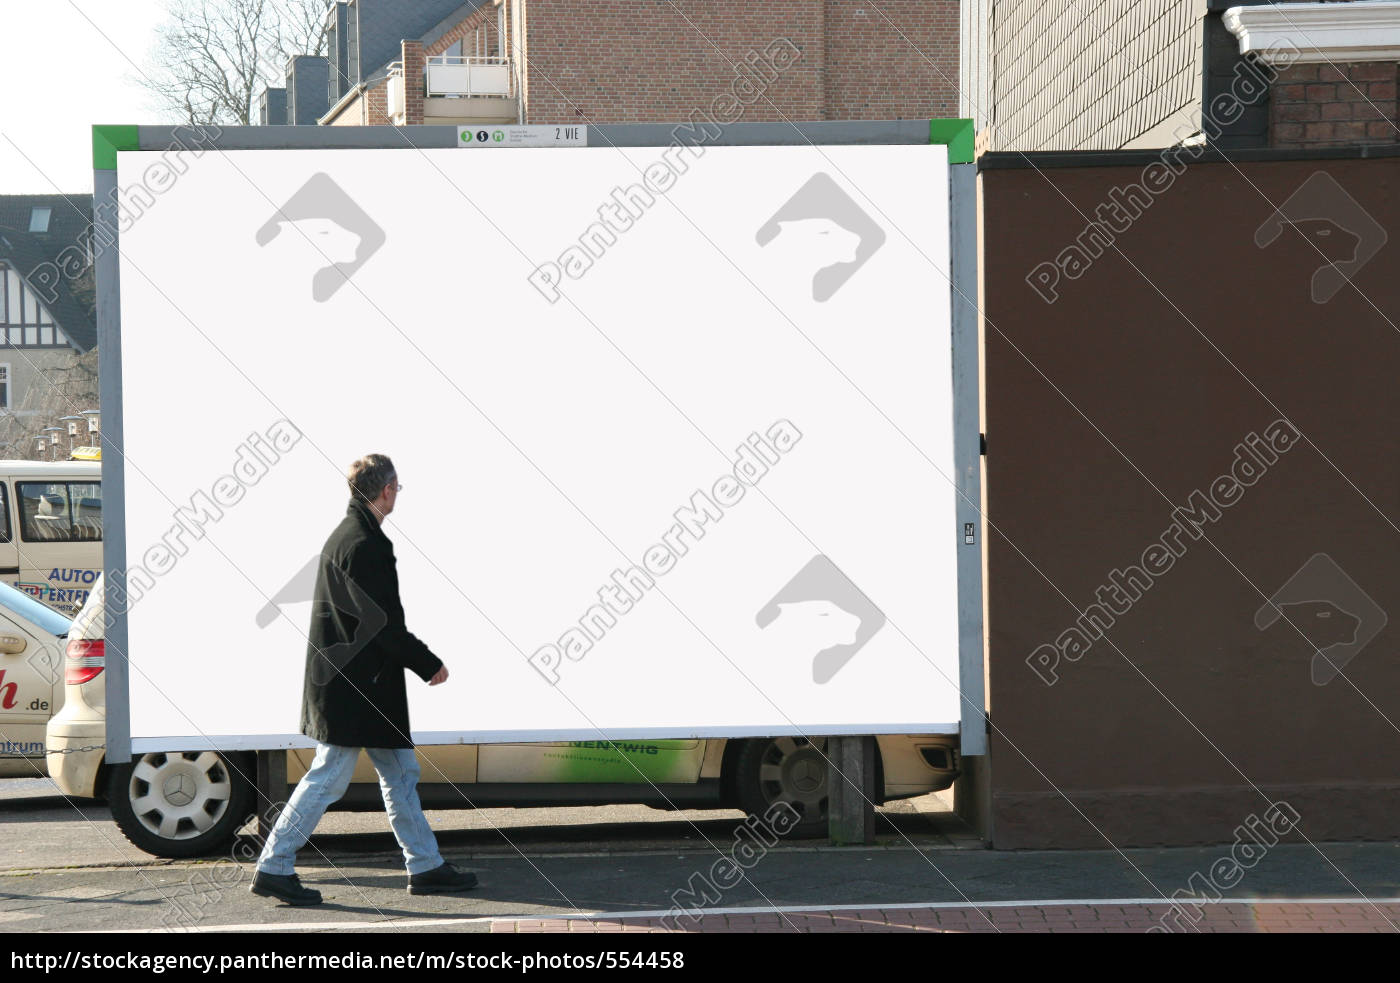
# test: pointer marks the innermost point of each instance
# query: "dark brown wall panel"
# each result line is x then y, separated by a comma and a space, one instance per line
1106, 410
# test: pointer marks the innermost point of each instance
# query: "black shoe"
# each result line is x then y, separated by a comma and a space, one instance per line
441, 880
284, 888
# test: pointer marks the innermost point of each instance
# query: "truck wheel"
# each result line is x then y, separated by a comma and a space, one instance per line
784, 769
180, 804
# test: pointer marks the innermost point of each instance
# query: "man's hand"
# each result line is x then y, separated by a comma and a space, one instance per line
439, 677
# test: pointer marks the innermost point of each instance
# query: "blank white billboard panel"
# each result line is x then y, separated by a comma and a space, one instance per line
674, 430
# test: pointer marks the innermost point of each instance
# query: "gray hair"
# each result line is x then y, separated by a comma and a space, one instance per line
368, 476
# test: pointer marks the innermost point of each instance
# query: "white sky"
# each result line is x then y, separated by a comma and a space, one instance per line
63, 67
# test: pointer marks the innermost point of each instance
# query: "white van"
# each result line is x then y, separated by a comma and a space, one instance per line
51, 530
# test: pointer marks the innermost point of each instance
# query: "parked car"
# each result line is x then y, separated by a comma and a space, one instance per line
184, 805
32, 639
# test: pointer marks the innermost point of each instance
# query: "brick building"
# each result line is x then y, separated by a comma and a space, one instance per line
1335, 65
1106, 76
621, 61
1141, 74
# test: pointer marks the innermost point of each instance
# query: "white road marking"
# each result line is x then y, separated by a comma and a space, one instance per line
302, 926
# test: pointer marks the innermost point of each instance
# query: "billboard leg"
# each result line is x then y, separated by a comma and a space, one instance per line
851, 790
272, 790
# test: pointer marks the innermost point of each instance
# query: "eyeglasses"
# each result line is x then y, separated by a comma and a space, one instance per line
398, 486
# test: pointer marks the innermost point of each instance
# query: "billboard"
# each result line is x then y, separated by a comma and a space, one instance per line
675, 426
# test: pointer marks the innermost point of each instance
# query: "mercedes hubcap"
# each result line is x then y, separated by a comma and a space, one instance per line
794, 771
179, 790
180, 796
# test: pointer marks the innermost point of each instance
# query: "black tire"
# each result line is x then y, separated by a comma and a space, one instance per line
784, 769
181, 804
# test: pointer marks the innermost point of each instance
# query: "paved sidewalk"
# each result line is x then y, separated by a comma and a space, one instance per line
1272, 916
611, 873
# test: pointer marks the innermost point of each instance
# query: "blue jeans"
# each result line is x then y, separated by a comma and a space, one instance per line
326, 781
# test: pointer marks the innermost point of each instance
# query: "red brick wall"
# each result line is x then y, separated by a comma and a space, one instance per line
411, 54
1333, 105
895, 59
376, 110
624, 61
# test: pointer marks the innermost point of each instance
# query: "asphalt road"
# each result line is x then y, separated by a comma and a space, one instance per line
65, 866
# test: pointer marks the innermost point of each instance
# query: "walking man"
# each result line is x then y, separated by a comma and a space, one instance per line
353, 697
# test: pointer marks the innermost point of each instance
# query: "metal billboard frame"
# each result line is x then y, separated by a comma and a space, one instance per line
956, 134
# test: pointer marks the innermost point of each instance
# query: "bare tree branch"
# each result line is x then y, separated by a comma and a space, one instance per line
212, 58
64, 384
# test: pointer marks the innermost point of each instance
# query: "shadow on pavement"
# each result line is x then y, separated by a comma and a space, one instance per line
930, 830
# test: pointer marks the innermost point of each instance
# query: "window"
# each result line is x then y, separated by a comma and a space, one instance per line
352, 47
332, 52
4, 385
14, 297
24, 605
60, 512
22, 311
39, 219
5, 535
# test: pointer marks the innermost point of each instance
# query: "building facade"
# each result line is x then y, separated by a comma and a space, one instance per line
1144, 74
48, 333
619, 61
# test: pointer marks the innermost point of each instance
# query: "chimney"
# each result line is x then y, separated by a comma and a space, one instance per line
308, 89
272, 107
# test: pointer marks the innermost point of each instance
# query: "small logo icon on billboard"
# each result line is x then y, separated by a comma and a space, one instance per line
1343, 233
335, 227
828, 229
1331, 612
826, 614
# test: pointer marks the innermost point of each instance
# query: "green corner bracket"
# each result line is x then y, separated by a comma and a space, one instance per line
958, 135
107, 140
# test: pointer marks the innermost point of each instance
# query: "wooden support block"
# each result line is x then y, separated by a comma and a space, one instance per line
851, 790
272, 790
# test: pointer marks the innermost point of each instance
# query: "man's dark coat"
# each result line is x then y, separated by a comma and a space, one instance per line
354, 694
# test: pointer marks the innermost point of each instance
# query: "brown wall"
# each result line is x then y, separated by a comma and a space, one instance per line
1107, 409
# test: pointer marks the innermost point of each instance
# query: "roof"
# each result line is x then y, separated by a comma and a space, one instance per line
71, 214
451, 21
73, 306
433, 34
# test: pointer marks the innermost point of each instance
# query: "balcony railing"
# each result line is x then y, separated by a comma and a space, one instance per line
471, 87
468, 75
